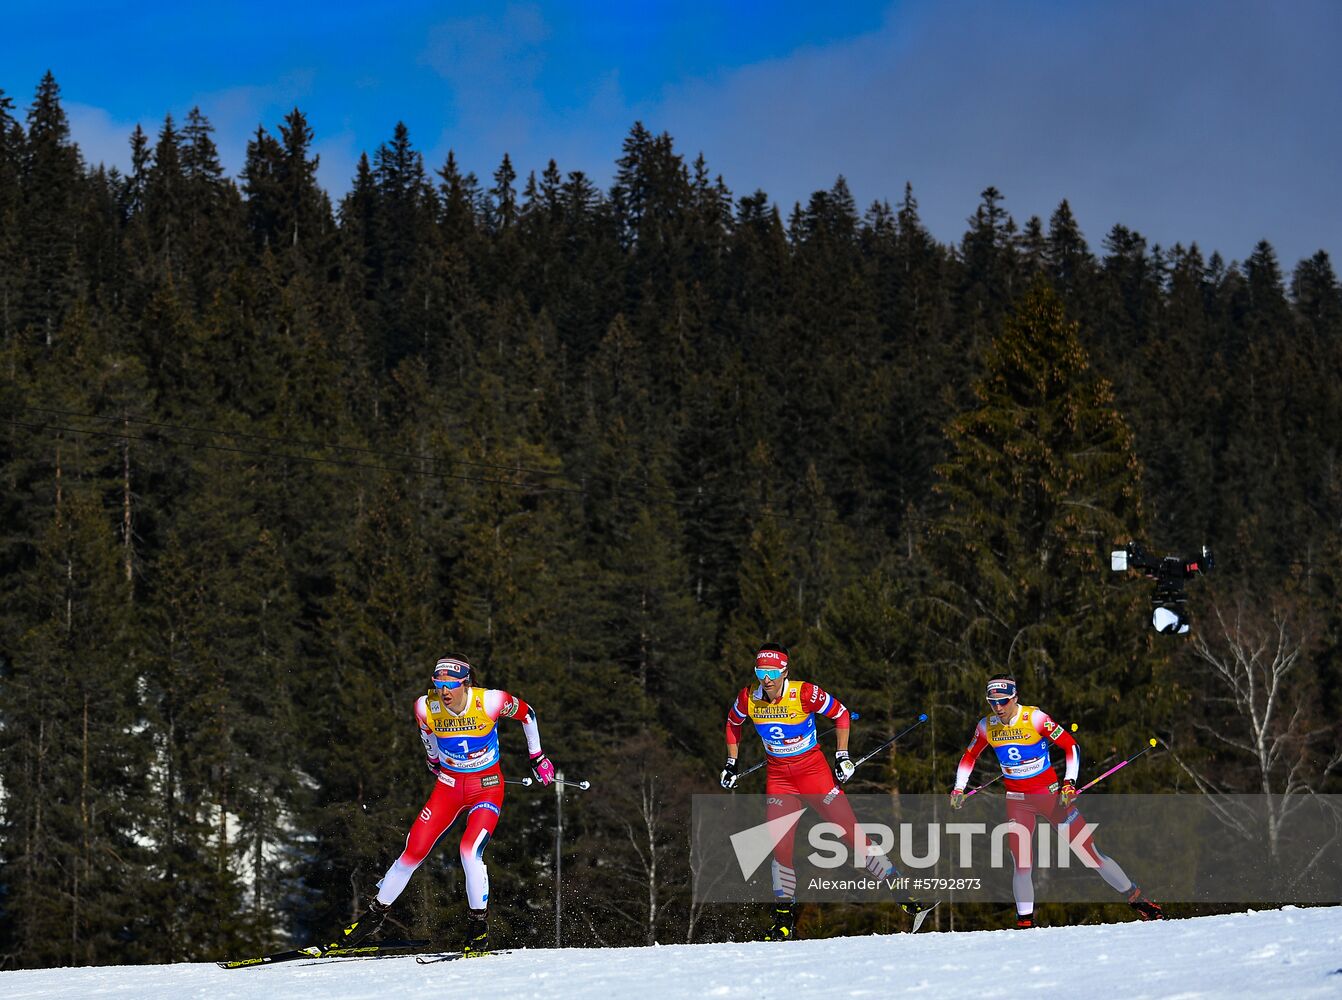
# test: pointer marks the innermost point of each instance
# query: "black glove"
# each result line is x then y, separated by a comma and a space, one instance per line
728, 778
843, 767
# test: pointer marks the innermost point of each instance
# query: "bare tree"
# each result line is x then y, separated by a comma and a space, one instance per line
1261, 694
638, 834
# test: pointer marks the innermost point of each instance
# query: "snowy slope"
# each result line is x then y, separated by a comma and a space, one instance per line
1287, 953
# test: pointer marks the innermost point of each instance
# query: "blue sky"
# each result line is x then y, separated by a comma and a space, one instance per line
1188, 121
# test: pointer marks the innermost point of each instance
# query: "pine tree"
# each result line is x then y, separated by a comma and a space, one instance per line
380, 635
12, 142
212, 214
988, 266
76, 759
263, 188
50, 221
305, 218
1041, 480
1264, 413
165, 204
503, 197
924, 367
1071, 267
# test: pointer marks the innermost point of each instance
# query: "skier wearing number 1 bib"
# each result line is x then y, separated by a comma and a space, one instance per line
797, 774
1020, 736
457, 726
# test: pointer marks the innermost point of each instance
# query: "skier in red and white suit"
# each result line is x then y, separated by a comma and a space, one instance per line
457, 726
783, 712
1021, 737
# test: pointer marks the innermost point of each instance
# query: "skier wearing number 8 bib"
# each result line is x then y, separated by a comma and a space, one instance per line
783, 712
1021, 736
457, 726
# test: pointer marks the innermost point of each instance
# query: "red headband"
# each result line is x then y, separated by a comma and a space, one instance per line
771, 658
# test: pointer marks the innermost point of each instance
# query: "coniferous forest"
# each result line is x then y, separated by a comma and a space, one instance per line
266, 455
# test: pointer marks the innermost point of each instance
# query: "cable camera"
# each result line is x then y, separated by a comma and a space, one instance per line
1168, 598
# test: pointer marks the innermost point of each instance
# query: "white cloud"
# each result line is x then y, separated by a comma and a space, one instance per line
491, 64
100, 137
236, 112
339, 157
1148, 115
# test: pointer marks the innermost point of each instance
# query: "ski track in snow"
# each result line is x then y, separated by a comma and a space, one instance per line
1290, 953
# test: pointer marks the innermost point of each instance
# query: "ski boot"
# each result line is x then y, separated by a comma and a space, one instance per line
1146, 908
477, 942
363, 925
1024, 921
913, 906
918, 909
785, 920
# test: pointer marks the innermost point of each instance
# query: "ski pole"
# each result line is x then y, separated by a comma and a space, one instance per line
1151, 744
899, 735
999, 777
528, 782
975, 791
755, 767
981, 787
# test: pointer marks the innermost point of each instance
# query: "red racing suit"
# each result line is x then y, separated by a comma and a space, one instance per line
1022, 748
797, 773
463, 751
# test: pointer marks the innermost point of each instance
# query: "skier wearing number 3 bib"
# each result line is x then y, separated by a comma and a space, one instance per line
1020, 736
457, 726
797, 774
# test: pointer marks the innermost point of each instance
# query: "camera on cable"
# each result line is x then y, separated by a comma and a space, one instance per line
1169, 615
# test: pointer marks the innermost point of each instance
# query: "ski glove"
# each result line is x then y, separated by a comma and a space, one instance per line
843, 767
728, 778
433, 766
1067, 793
957, 798
542, 768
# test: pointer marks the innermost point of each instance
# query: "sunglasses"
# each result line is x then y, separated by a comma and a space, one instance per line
451, 685
995, 702
769, 673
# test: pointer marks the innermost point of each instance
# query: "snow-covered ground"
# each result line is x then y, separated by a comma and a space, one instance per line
1291, 953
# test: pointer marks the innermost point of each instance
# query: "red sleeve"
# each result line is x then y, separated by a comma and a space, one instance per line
421, 714
502, 705
514, 708
814, 699
736, 717
1061, 738
971, 755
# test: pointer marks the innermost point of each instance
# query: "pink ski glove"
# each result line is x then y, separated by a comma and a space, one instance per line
542, 769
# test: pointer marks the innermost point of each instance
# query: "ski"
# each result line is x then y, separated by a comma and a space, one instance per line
921, 915
452, 956
382, 948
